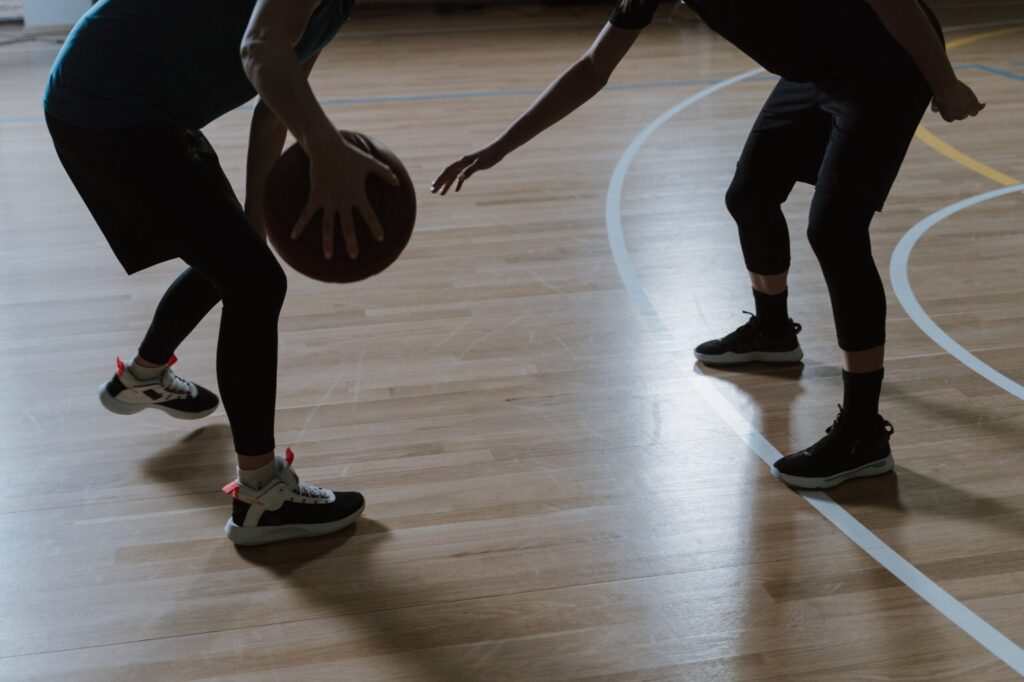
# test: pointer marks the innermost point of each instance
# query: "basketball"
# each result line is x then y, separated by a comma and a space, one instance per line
284, 198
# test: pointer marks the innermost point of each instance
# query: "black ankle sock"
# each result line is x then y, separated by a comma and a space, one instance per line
772, 313
860, 397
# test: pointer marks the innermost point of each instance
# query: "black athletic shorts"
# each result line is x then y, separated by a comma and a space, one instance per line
848, 135
154, 189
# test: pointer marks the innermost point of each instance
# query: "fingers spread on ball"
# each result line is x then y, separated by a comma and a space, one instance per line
385, 173
305, 218
348, 232
372, 221
328, 236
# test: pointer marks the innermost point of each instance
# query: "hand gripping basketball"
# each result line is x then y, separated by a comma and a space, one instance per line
358, 186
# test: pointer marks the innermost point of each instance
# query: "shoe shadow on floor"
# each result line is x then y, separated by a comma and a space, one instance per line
793, 370
369, 601
926, 494
874, 500
200, 462
775, 399
773, 390
340, 598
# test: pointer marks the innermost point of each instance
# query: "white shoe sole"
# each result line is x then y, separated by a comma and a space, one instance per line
120, 407
781, 358
241, 535
876, 468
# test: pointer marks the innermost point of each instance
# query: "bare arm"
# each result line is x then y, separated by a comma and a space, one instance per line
336, 169
910, 27
270, 62
577, 84
266, 140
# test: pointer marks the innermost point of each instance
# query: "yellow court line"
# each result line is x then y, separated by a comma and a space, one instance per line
951, 152
953, 44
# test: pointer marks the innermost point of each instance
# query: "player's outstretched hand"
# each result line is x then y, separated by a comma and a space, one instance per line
460, 171
957, 103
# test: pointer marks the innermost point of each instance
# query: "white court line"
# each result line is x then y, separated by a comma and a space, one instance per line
994, 641
905, 293
613, 200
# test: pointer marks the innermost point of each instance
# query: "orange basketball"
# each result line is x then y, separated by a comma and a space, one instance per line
284, 199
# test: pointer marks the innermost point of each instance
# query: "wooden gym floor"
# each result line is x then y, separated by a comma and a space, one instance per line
556, 491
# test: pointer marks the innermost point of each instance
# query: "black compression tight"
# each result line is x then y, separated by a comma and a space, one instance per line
838, 233
252, 286
755, 202
158, 192
185, 303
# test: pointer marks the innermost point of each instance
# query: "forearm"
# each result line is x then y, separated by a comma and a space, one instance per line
910, 27
565, 94
280, 80
266, 140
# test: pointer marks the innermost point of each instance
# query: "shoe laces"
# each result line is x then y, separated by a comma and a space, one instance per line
752, 327
886, 425
748, 328
310, 490
836, 423
175, 384
298, 485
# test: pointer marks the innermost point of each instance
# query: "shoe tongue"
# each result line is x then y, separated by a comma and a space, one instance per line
169, 378
286, 473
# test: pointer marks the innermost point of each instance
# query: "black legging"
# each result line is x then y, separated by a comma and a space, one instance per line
246, 347
838, 233
158, 192
229, 263
847, 137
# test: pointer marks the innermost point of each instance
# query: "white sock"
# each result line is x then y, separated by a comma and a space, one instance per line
143, 372
257, 478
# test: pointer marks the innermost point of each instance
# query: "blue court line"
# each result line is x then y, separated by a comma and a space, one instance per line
997, 72
898, 274
516, 92
955, 611
442, 96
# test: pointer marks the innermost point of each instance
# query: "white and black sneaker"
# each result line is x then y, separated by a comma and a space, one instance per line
749, 343
127, 394
844, 453
286, 508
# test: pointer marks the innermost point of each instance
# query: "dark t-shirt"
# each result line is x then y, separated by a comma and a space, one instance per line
128, 62
801, 40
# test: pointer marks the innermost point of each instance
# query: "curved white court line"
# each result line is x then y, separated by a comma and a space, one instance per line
905, 293
994, 641
613, 200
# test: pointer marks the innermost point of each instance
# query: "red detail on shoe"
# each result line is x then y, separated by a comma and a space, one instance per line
289, 456
231, 488
120, 367
174, 359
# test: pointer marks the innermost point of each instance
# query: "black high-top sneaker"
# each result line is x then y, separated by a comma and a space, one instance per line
750, 344
127, 394
286, 508
844, 453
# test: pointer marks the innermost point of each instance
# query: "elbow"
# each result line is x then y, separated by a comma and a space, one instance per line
249, 53
592, 74
255, 52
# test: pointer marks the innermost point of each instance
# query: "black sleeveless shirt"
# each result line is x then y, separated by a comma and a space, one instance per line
800, 40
